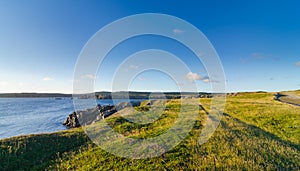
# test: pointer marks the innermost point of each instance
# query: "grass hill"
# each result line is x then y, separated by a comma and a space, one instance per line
255, 133
107, 95
294, 92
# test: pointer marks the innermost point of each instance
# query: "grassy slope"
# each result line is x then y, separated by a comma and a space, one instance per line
280, 119
295, 92
256, 132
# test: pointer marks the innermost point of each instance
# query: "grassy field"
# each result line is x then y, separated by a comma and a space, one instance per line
255, 133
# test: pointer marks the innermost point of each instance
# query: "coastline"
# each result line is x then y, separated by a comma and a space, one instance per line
73, 150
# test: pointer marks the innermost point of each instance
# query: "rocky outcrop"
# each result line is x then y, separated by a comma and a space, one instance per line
89, 116
71, 121
277, 96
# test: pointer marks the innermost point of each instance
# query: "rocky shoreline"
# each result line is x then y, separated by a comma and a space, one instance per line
96, 114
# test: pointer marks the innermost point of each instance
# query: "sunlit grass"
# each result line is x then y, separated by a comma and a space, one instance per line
256, 133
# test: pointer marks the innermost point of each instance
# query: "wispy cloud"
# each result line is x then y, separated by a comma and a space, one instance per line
243, 60
133, 66
208, 80
142, 78
89, 76
48, 79
297, 64
257, 55
178, 31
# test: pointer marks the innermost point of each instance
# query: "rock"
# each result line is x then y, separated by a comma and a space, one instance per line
72, 121
89, 116
277, 96
122, 105
107, 110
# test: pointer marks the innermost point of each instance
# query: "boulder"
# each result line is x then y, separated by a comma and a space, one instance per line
71, 121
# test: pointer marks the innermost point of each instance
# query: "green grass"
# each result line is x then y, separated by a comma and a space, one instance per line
256, 133
280, 119
37, 152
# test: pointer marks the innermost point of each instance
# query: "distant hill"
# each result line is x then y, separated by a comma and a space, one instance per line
36, 95
146, 95
109, 95
130, 94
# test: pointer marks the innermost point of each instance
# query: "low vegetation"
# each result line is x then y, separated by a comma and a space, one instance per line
255, 133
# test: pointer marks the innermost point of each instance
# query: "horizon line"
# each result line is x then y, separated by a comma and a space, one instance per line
66, 93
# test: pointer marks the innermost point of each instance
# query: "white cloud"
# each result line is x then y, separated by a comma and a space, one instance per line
257, 55
297, 64
142, 78
193, 76
48, 79
89, 76
178, 31
207, 80
133, 66
3, 83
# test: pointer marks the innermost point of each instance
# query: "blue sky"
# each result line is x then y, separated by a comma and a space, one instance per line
258, 42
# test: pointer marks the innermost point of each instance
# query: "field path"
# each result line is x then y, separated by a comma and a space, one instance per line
288, 98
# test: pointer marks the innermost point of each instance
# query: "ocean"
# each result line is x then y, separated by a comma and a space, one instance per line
21, 116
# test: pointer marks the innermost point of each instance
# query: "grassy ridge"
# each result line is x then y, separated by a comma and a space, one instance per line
295, 92
256, 133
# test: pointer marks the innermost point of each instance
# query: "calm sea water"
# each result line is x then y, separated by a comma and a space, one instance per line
19, 116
